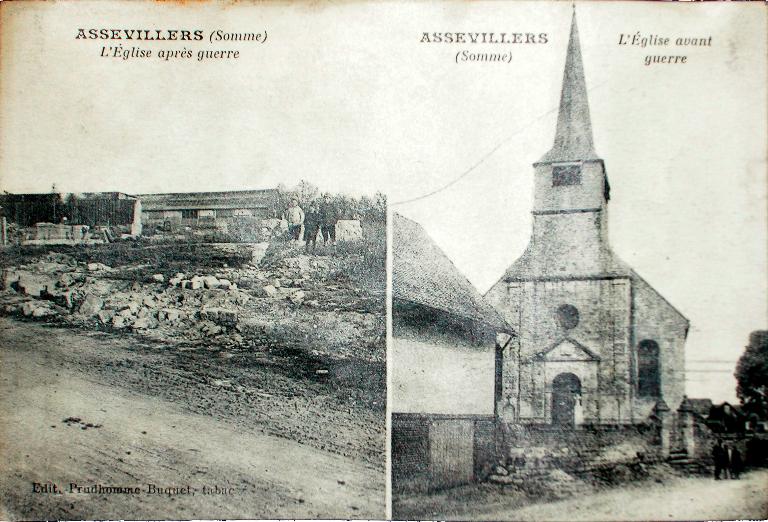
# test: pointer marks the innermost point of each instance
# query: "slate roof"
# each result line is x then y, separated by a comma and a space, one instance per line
423, 274
235, 199
573, 138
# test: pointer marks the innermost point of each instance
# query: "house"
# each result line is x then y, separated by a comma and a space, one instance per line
446, 341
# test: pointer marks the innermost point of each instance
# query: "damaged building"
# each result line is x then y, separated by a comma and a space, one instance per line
214, 210
53, 218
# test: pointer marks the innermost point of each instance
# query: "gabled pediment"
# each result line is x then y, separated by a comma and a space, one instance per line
567, 350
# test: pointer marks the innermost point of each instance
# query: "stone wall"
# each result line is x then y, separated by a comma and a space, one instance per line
603, 329
410, 453
541, 447
588, 194
655, 319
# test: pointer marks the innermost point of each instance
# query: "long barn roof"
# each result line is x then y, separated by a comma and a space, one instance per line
424, 275
266, 198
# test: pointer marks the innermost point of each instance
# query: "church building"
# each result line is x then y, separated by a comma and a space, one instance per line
596, 343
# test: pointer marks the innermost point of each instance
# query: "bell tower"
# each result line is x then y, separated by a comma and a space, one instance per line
570, 185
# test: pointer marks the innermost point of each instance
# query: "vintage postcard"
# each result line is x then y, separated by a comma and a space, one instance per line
194, 285
383, 260
579, 265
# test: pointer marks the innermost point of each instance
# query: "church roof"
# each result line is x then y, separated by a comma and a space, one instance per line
573, 137
529, 267
423, 274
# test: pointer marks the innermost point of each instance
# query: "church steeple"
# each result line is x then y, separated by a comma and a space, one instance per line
573, 138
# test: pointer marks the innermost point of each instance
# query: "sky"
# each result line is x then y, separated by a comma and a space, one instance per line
347, 96
684, 148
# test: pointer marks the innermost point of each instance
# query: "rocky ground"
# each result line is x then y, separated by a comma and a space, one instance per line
262, 337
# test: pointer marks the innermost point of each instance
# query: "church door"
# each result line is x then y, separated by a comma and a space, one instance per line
566, 388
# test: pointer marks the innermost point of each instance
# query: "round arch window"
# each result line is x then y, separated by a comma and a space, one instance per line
567, 316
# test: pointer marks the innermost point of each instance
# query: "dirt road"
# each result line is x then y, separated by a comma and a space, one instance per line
692, 498
85, 412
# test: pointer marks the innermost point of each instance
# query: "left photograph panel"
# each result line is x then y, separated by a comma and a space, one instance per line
193, 293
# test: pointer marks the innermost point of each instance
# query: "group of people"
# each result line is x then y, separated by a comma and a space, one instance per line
727, 459
320, 218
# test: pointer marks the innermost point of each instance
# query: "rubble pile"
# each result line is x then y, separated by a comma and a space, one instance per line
296, 298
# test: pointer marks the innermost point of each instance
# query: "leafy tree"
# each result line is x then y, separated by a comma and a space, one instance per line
752, 373
306, 192
372, 210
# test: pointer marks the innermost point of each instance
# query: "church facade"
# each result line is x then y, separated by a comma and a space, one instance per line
596, 343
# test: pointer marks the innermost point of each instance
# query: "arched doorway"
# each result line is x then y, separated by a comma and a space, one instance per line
566, 387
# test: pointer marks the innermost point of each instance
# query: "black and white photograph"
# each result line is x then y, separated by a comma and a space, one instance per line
383, 260
194, 289
573, 294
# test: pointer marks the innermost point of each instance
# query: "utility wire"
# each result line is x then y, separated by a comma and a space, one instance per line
488, 154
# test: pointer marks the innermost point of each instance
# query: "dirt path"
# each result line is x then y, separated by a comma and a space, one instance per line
693, 498
137, 438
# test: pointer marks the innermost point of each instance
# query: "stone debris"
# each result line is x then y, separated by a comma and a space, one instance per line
270, 291
219, 316
106, 316
66, 279
37, 309
506, 480
297, 297
119, 321
91, 305
349, 230
234, 306
170, 315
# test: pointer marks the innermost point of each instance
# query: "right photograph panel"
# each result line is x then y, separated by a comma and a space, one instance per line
569, 337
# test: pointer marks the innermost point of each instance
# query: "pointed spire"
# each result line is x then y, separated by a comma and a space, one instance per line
573, 138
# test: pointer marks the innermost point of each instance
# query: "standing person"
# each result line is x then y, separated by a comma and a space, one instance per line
311, 226
328, 218
720, 457
734, 461
295, 218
